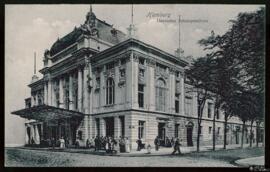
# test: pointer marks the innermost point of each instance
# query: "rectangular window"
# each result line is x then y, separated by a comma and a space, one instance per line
141, 95
141, 129
209, 130
176, 105
97, 127
176, 128
188, 106
218, 130
98, 82
218, 114
209, 110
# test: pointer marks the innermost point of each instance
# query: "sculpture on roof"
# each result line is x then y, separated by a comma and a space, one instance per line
89, 27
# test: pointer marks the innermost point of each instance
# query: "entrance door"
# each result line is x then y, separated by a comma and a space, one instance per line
109, 126
189, 136
161, 133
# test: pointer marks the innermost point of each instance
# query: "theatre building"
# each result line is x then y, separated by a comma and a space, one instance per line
98, 81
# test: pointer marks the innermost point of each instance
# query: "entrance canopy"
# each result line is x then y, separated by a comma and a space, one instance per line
47, 113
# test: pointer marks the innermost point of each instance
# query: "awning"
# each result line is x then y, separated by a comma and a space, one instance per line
47, 113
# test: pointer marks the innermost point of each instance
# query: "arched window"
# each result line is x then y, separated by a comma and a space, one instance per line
160, 95
110, 91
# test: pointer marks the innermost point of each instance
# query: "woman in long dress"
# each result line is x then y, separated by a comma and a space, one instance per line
127, 145
62, 143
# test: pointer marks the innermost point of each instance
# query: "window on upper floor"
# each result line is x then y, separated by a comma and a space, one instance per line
110, 91
141, 95
209, 109
218, 114
176, 103
98, 82
188, 105
161, 95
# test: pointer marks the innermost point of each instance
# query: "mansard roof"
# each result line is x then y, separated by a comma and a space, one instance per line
106, 32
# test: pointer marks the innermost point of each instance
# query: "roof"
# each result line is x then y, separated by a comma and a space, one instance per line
46, 113
106, 32
147, 47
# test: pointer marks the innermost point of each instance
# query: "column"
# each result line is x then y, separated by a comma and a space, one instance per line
33, 100
135, 78
172, 92
182, 96
61, 93
49, 92
102, 127
129, 81
152, 96
86, 127
45, 93
26, 136
71, 101
117, 127
85, 90
80, 90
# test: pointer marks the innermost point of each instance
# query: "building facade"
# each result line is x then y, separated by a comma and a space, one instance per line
97, 81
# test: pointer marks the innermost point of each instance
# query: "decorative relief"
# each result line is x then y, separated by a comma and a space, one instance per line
109, 73
150, 62
122, 76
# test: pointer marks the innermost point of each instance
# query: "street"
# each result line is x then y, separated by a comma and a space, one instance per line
47, 158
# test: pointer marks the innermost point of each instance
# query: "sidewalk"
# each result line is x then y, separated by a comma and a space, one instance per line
251, 161
184, 150
162, 151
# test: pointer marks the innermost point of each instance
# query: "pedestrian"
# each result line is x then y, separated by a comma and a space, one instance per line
53, 142
139, 143
127, 145
66, 142
149, 149
156, 142
87, 143
172, 142
62, 142
177, 147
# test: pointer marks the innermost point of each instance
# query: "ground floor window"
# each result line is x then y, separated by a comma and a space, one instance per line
141, 129
176, 130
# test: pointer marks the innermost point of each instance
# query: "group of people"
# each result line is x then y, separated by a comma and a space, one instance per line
174, 142
52, 142
109, 144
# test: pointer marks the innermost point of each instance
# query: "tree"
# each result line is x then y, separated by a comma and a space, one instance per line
241, 50
198, 76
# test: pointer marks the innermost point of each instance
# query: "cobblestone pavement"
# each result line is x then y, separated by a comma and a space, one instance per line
46, 158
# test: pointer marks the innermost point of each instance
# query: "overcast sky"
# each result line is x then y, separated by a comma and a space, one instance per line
34, 28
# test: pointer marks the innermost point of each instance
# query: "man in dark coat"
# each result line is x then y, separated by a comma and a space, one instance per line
157, 143
177, 147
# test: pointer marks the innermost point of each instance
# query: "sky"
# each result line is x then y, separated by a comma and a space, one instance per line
34, 28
